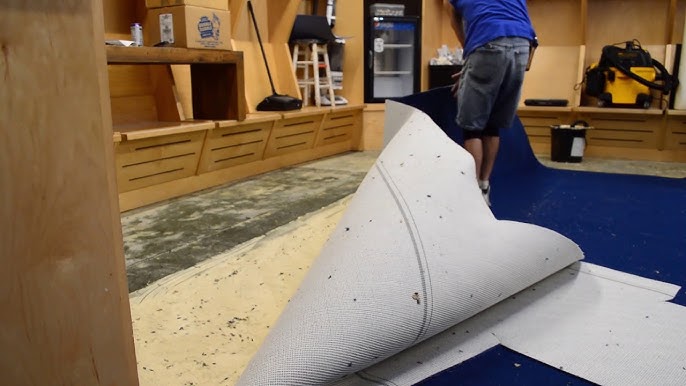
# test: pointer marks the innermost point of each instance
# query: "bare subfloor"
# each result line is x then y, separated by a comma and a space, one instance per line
211, 272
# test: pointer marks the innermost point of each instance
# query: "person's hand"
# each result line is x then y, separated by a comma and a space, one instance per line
456, 77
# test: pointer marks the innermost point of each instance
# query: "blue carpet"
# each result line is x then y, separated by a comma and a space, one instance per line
631, 223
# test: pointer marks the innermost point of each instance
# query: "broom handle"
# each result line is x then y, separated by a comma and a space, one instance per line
259, 39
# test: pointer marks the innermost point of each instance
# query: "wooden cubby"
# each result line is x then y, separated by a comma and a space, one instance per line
572, 34
187, 120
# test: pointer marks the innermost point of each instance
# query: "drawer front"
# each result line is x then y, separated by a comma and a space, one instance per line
339, 127
292, 135
152, 161
235, 145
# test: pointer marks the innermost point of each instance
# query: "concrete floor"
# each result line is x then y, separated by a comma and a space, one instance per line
171, 236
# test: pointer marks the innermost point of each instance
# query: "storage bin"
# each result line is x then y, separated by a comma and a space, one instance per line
568, 142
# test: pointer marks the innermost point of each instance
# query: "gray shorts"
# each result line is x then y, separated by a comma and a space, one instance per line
491, 83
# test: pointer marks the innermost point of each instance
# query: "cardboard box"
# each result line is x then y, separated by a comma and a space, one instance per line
214, 4
188, 27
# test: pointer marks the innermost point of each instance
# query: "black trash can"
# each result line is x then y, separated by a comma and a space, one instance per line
568, 142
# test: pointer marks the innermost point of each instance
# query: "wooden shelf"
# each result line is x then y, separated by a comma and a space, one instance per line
349, 106
258, 117
676, 113
217, 78
140, 130
557, 109
375, 107
170, 55
617, 110
306, 111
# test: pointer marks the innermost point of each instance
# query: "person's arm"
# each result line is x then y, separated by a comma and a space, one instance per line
458, 27
456, 23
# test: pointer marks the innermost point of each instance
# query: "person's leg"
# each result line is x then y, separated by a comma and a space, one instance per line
475, 147
490, 152
478, 88
505, 106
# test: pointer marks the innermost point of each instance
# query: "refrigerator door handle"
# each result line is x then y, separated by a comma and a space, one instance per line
371, 59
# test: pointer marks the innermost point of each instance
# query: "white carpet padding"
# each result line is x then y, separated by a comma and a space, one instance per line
605, 326
417, 252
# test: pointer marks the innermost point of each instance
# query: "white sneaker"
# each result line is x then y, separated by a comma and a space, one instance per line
486, 193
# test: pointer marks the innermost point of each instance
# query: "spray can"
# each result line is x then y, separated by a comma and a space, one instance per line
137, 34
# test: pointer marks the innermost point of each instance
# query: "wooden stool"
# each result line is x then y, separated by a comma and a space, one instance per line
306, 55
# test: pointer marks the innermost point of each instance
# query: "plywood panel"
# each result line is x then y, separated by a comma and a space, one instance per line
242, 23
538, 133
234, 145
372, 135
256, 77
133, 109
447, 33
237, 7
182, 79
152, 161
281, 18
349, 23
338, 127
280, 63
675, 138
65, 316
118, 15
143, 93
677, 33
138, 152
166, 97
129, 80
434, 16
276, 17
624, 131
634, 153
292, 135
557, 22
612, 21
176, 188
553, 75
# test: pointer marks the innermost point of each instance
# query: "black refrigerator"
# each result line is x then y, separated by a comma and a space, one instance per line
392, 63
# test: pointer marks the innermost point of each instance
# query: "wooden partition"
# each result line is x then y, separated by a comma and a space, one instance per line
631, 132
572, 35
349, 24
65, 311
275, 20
557, 67
169, 139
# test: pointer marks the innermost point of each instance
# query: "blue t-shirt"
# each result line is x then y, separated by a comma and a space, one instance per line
487, 20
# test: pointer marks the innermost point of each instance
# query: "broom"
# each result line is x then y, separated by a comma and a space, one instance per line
274, 102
